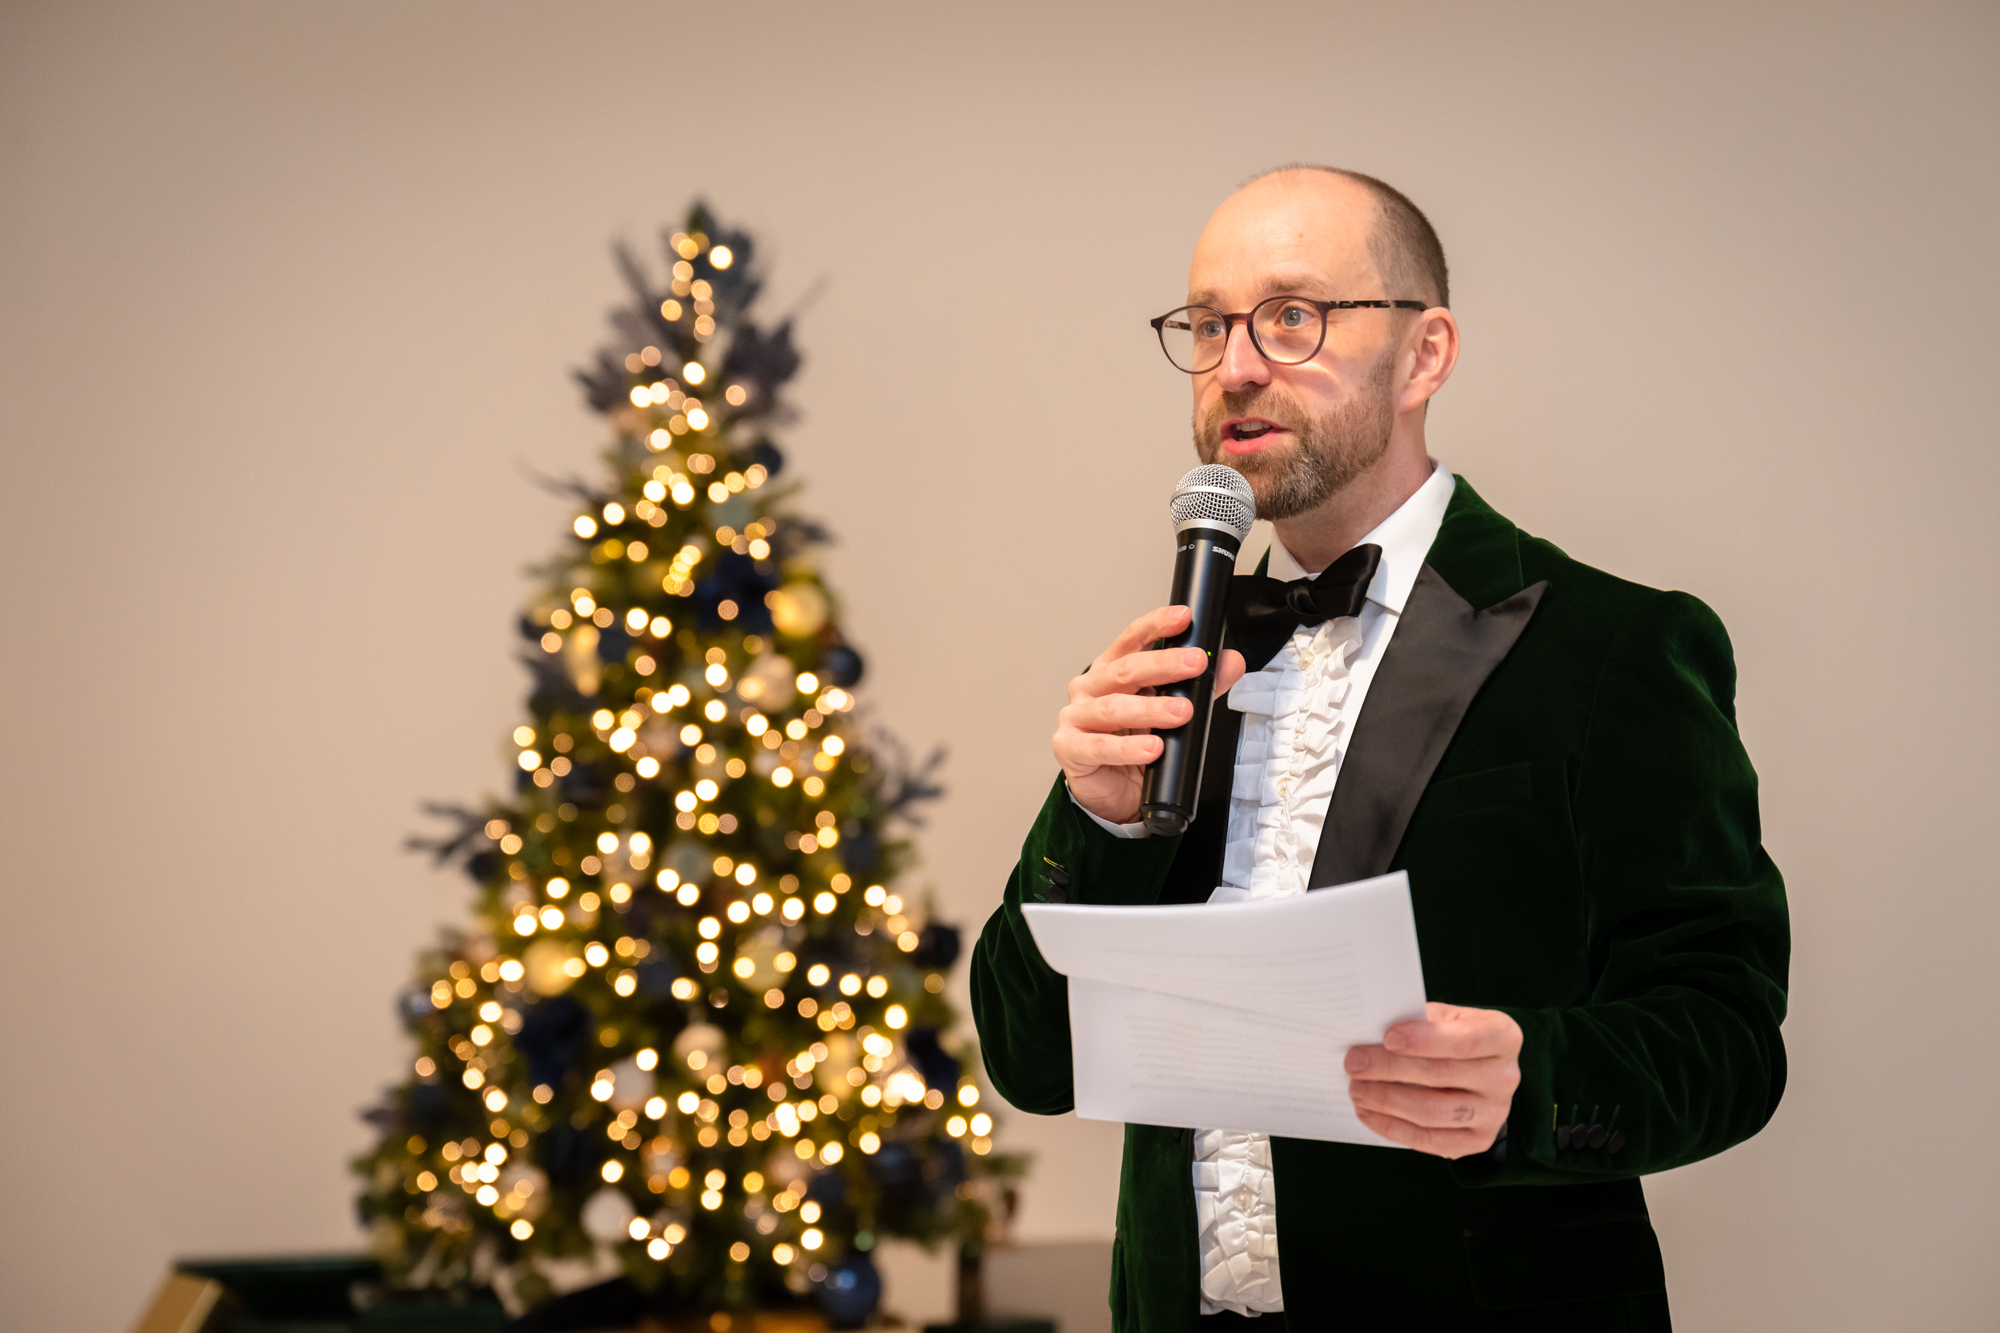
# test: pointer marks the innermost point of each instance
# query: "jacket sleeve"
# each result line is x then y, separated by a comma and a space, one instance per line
1676, 1050
1020, 1005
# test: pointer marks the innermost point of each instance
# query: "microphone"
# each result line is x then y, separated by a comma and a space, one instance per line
1212, 510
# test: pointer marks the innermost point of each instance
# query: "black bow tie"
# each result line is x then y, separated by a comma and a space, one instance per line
1263, 611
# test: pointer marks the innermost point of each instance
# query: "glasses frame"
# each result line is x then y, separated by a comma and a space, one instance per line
1159, 326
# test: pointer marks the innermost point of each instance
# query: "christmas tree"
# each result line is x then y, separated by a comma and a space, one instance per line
693, 1022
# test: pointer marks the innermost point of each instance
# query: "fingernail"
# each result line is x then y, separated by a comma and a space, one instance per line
1394, 1039
1194, 657
1357, 1061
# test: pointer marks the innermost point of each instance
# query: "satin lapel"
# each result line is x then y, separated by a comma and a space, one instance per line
1441, 653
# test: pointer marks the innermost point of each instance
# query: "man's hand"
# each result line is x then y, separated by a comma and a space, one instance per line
1103, 736
1443, 1085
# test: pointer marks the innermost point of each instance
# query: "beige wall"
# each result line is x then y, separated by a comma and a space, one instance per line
288, 294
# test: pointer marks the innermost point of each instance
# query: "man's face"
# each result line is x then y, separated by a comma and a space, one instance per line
1297, 433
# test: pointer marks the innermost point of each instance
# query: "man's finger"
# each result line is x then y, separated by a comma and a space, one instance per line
1373, 1064
1456, 1034
1451, 1143
1435, 1108
1135, 671
1228, 670
1127, 712
1081, 751
1154, 625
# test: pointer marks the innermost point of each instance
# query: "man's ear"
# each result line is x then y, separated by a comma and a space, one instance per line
1435, 352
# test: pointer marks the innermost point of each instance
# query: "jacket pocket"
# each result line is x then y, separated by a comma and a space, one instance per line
1590, 1258
1471, 793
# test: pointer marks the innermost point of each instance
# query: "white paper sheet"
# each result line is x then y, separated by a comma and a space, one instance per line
1234, 1015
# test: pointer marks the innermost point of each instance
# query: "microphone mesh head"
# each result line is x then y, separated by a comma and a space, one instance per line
1215, 494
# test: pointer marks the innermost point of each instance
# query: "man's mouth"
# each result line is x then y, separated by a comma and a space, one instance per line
1243, 435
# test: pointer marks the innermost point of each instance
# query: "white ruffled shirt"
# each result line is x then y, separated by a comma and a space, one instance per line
1298, 713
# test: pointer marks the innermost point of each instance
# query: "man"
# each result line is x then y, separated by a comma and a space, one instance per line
1548, 751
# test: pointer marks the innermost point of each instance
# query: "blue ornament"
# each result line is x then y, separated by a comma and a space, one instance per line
895, 1167
937, 1066
859, 851
841, 952
587, 785
850, 1291
736, 579
426, 1106
553, 1036
937, 946
946, 1169
844, 666
828, 1189
554, 691
572, 1156
769, 456
763, 361
656, 976
613, 643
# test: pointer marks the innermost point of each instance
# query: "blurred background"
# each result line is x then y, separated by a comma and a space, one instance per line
289, 296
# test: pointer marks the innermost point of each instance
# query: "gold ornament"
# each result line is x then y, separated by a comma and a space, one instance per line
762, 950
707, 1039
586, 672
797, 609
831, 1073
547, 962
768, 682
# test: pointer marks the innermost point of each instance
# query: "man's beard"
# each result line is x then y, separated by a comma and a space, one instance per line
1333, 447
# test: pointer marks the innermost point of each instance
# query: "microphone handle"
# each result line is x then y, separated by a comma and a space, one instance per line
1204, 562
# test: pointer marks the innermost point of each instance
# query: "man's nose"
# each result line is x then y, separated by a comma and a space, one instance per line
1242, 365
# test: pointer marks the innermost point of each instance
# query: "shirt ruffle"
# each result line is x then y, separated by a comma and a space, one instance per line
1238, 1237
1293, 738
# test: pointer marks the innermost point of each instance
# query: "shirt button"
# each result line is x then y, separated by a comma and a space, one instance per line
1244, 1198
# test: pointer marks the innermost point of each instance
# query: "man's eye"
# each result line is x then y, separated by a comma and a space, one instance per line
1208, 328
1293, 316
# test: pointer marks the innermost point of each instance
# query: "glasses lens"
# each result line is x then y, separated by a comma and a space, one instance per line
1288, 329
1193, 338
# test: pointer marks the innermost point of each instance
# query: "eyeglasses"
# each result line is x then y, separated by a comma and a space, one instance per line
1285, 330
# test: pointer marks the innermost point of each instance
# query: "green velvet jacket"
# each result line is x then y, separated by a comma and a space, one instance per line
1551, 754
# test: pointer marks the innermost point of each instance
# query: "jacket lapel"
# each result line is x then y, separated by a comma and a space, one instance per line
1443, 649
1442, 652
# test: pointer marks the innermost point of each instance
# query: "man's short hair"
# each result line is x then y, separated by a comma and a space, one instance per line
1404, 245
